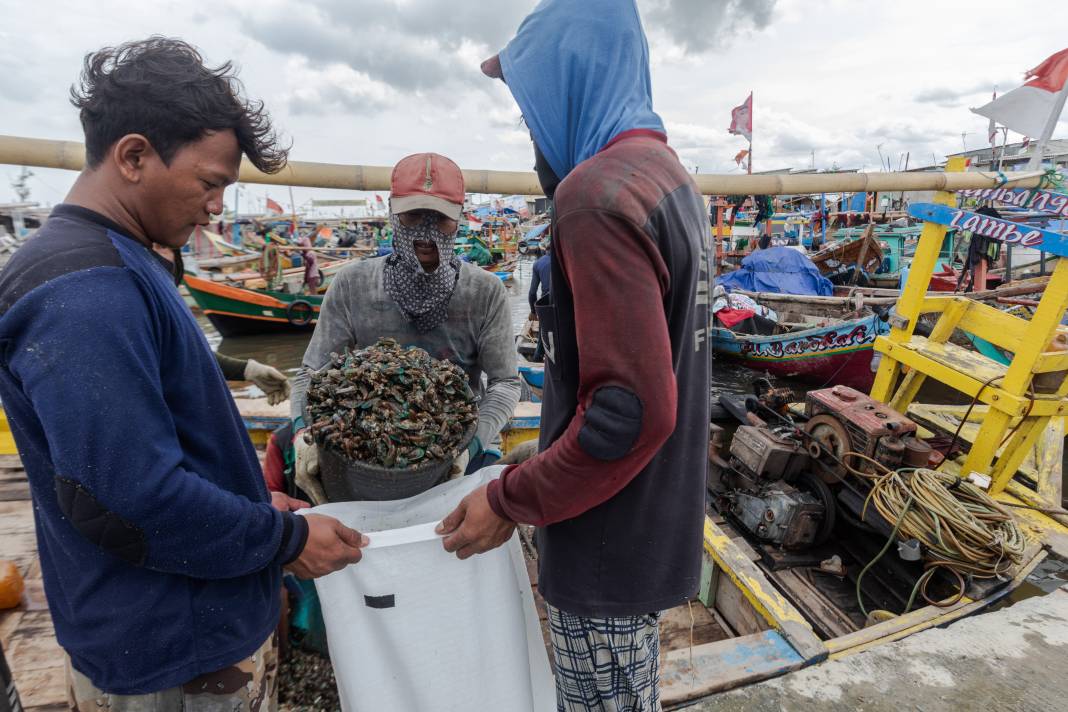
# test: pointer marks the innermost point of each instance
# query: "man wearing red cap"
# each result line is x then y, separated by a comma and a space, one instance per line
421, 295
617, 489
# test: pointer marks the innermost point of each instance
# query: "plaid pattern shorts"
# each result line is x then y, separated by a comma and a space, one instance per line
606, 664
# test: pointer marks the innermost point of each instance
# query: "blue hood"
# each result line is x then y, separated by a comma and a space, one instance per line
580, 74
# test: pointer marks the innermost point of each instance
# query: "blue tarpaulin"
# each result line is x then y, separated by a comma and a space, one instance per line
536, 231
782, 270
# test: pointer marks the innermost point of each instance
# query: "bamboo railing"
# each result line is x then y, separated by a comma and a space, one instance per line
70, 155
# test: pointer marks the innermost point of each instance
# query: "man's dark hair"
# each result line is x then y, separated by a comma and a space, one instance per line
160, 88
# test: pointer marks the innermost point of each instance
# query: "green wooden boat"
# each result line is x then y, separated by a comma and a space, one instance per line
238, 311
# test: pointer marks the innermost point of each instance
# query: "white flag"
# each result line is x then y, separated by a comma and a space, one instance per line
1027, 109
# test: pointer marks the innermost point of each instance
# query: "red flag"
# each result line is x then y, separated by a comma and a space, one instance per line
1027, 109
740, 157
274, 207
742, 119
378, 199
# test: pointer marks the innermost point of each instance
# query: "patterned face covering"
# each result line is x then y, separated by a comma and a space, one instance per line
422, 296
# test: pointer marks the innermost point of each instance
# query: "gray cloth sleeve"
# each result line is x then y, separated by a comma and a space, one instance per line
333, 334
233, 368
497, 360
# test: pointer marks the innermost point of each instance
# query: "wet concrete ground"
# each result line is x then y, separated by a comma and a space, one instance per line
1011, 660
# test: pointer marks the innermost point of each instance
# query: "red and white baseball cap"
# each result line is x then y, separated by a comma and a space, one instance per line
427, 181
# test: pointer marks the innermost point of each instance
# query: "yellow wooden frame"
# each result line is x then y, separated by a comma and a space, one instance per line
907, 360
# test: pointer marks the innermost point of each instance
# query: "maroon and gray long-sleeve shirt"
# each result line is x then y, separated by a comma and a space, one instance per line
617, 489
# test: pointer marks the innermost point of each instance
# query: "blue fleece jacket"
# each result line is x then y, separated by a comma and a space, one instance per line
159, 548
584, 85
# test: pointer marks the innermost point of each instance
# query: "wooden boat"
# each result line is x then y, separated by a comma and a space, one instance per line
239, 311
820, 339
862, 253
1016, 288
228, 264
242, 303
504, 270
534, 378
762, 611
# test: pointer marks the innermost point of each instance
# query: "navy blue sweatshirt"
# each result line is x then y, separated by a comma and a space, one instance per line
160, 551
541, 276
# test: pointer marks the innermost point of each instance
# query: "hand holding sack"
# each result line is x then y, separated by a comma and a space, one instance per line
331, 546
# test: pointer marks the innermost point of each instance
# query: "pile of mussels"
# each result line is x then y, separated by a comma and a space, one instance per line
391, 406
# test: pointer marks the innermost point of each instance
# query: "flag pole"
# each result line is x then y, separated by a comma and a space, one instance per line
293, 207
749, 163
1051, 124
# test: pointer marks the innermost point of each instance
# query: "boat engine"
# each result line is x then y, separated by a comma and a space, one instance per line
842, 420
758, 486
776, 480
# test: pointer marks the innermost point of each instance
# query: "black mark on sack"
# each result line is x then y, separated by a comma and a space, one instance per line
380, 601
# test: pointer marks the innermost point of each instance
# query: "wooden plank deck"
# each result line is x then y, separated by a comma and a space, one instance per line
26, 634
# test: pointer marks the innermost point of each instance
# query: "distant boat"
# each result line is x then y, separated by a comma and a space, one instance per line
239, 311
847, 260
823, 340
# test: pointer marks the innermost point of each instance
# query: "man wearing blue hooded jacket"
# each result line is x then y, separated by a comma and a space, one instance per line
617, 489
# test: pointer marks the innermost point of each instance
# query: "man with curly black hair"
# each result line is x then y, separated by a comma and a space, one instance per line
161, 551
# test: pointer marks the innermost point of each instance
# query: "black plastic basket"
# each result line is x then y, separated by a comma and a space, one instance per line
348, 480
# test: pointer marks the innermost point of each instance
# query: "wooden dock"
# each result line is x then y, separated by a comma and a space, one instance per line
26, 634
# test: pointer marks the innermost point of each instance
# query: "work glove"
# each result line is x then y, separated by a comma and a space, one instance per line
462, 464
269, 380
306, 468
520, 453
459, 465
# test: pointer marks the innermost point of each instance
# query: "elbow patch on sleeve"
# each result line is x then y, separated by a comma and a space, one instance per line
102, 527
613, 423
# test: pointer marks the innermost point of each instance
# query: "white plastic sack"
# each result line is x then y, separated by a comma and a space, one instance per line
411, 627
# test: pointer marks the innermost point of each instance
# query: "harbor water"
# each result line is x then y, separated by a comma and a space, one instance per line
285, 351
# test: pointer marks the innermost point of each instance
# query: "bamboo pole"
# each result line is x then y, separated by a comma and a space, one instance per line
70, 155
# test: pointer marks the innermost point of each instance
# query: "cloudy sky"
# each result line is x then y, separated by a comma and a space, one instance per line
370, 81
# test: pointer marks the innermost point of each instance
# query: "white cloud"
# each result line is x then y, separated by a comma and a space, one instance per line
335, 87
369, 81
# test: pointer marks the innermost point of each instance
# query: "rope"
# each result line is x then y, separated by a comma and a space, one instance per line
1052, 178
963, 530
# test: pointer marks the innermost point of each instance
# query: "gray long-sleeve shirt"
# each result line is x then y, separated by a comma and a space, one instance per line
477, 336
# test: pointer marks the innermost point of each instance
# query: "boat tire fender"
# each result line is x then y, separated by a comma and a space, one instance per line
300, 312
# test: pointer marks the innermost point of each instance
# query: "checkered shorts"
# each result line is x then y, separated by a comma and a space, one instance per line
606, 664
